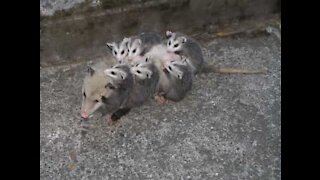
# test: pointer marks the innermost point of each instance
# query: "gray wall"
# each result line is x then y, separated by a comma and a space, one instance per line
72, 30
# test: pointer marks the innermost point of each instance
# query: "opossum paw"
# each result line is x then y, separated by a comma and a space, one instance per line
110, 120
161, 100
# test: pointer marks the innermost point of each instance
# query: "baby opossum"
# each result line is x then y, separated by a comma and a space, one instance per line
181, 44
180, 79
145, 80
176, 82
146, 77
158, 56
142, 43
119, 50
106, 89
122, 75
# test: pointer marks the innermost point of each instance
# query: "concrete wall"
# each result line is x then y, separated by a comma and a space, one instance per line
72, 30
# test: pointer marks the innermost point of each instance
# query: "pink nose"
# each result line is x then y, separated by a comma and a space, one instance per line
84, 115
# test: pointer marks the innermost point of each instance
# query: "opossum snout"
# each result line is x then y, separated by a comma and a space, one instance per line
84, 115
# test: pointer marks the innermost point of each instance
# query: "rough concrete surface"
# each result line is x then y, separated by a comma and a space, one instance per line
227, 128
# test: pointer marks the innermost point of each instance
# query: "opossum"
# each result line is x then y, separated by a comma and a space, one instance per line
178, 81
141, 44
183, 45
119, 50
106, 89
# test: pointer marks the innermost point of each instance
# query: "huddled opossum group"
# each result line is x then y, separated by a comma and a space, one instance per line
147, 66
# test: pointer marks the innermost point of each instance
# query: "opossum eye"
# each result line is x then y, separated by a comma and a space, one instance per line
134, 51
113, 73
169, 43
122, 52
138, 72
115, 52
96, 101
170, 68
84, 94
176, 45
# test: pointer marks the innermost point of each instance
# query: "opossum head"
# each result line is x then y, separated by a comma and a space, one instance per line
175, 43
173, 67
116, 73
140, 68
120, 51
135, 48
141, 72
96, 89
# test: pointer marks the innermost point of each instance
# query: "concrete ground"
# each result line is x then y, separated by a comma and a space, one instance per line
227, 128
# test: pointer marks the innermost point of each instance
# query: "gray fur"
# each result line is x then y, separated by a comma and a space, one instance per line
176, 89
121, 94
143, 89
148, 40
191, 49
119, 49
103, 93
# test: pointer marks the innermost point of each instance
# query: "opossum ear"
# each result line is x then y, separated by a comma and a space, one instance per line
183, 39
110, 45
138, 41
90, 70
169, 34
126, 41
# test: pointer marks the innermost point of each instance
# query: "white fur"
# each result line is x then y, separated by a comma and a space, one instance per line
116, 74
141, 72
134, 48
175, 44
174, 70
119, 51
